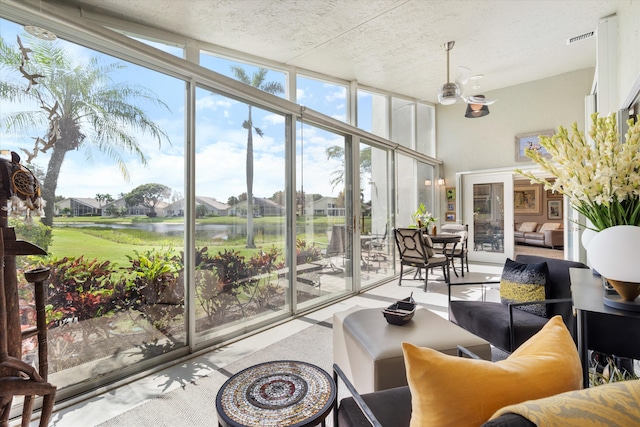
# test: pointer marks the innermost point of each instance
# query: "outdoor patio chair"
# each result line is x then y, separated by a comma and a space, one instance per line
376, 248
335, 248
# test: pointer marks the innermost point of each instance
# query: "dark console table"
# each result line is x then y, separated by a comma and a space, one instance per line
600, 327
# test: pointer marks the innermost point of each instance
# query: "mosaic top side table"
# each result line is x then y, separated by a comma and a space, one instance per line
284, 393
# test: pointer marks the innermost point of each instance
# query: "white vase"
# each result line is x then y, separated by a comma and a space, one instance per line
615, 253
587, 235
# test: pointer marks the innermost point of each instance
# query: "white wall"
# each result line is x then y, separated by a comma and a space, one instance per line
488, 142
628, 46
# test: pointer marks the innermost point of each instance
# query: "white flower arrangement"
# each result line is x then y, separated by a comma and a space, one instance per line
422, 218
601, 181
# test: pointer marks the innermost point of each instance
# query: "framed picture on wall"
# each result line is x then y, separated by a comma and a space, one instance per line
526, 199
530, 141
451, 194
554, 209
451, 206
450, 216
552, 195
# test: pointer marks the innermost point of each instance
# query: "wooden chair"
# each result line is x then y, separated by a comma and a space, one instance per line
18, 378
416, 250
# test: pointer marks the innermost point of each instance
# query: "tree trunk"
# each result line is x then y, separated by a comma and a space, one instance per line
51, 182
250, 239
70, 139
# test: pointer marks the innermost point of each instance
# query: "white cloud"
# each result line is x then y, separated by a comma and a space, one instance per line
339, 93
274, 119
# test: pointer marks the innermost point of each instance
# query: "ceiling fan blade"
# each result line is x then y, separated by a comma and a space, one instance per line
481, 100
462, 77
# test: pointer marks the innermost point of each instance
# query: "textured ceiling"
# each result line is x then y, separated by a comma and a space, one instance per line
389, 44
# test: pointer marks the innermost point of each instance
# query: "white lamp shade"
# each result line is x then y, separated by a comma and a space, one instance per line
615, 253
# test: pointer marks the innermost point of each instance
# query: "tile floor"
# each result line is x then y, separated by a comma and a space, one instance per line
102, 407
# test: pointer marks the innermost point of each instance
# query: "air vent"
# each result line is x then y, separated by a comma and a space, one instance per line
581, 37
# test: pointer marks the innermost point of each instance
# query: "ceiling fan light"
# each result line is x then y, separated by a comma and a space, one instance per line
473, 113
448, 94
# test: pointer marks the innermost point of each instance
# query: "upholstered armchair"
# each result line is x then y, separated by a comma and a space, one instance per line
506, 325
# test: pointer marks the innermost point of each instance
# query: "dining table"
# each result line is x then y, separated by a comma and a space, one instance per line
445, 239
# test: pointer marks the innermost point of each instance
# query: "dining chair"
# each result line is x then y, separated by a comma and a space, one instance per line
416, 250
461, 250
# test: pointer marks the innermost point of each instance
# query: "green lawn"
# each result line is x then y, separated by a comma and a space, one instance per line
73, 242
115, 244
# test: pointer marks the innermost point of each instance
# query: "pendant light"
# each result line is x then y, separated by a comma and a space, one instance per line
477, 110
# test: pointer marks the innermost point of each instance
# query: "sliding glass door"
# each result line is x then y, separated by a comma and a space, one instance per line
324, 231
239, 216
376, 221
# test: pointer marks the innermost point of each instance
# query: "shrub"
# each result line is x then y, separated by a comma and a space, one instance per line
35, 232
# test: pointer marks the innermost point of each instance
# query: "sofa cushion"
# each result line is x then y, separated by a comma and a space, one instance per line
528, 227
490, 321
614, 404
453, 391
392, 407
549, 226
509, 420
524, 282
428, 243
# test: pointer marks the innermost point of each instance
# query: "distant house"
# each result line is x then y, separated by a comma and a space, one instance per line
213, 207
79, 206
327, 206
133, 210
261, 207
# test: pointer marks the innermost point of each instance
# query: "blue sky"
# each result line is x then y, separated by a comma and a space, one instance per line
221, 140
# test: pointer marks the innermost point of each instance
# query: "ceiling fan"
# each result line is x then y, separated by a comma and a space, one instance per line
450, 92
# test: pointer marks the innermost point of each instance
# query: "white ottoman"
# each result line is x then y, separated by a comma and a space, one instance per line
369, 350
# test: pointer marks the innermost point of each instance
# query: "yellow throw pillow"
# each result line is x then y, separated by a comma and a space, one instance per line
456, 391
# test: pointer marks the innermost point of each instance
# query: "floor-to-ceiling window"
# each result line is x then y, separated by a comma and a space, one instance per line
323, 96
324, 237
240, 215
376, 222
182, 219
105, 138
403, 121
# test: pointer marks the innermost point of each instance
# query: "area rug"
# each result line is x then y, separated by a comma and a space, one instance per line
194, 403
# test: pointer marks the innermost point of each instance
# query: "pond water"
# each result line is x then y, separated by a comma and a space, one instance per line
203, 231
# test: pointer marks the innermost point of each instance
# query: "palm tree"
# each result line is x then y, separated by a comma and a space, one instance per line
257, 81
79, 105
336, 152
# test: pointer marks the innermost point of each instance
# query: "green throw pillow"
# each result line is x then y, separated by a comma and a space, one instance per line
524, 282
